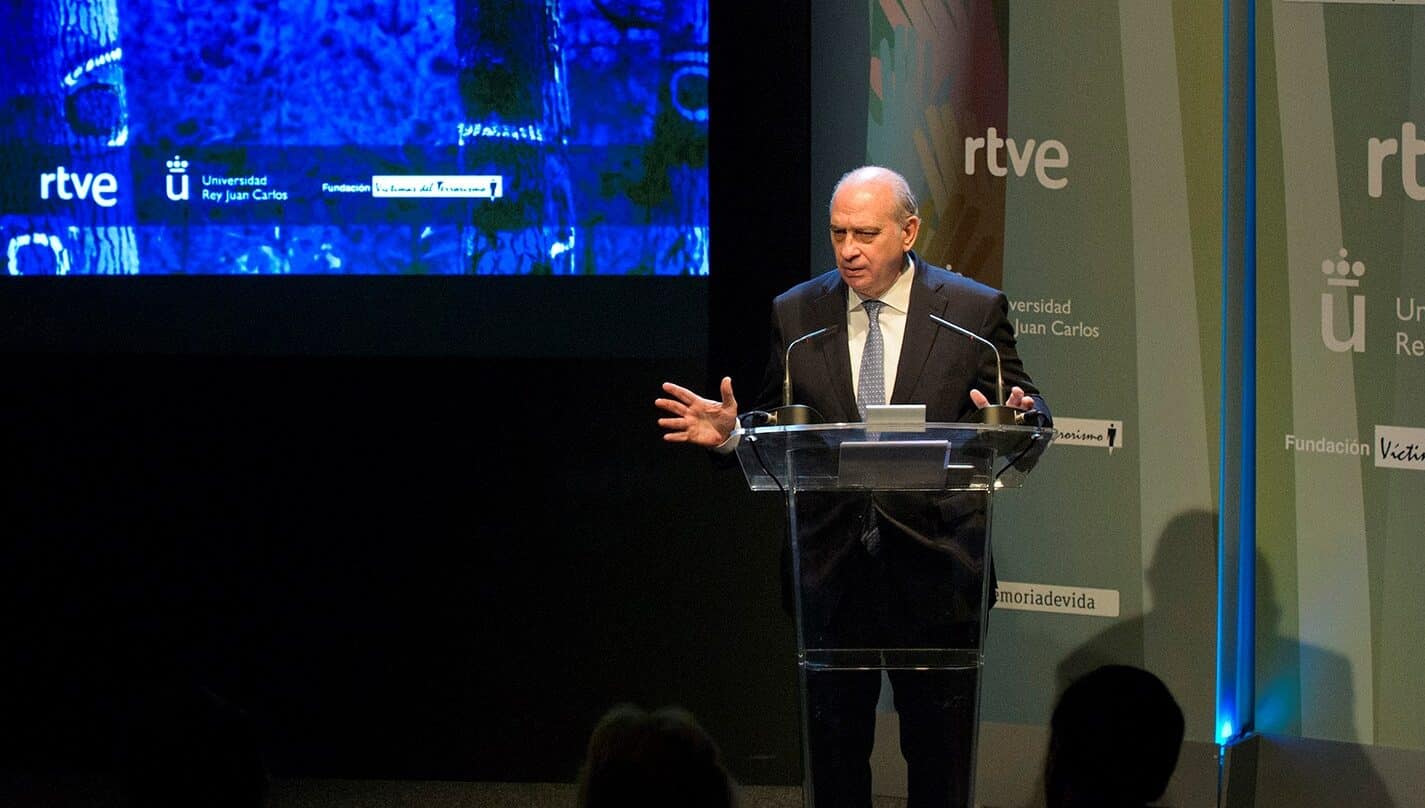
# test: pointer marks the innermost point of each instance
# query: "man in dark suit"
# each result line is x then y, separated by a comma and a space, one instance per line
889, 570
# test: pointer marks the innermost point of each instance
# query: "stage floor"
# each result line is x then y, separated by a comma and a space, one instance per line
50, 791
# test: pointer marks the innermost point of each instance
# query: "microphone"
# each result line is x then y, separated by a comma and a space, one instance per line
790, 414
999, 413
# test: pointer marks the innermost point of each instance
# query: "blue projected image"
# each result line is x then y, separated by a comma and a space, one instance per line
354, 137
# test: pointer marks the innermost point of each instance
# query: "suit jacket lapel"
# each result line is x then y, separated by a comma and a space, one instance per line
830, 309
920, 334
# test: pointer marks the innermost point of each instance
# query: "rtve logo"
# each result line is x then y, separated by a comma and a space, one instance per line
68, 185
1051, 154
1409, 148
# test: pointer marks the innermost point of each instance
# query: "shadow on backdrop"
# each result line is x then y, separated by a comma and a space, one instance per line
1290, 673
1176, 635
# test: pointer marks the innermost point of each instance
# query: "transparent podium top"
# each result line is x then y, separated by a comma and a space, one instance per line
861, 457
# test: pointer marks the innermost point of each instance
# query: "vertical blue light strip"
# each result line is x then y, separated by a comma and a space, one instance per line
1236, 568
1225, 724
1246, 692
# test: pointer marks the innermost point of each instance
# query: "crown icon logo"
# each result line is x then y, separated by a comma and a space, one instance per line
177, 165
1340, 272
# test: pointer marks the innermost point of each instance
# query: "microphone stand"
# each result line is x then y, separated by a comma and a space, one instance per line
790, 414
998, 413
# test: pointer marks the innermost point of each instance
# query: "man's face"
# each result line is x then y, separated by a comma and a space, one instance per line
869, 241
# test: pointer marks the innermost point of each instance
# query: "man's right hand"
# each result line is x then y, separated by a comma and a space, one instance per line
697, 420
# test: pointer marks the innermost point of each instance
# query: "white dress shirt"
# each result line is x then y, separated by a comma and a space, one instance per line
892, 319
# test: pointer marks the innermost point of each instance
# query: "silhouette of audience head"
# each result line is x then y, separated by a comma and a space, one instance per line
640, 759
1114, 740
185, 746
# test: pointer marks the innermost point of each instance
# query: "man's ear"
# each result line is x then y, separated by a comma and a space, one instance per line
909, 231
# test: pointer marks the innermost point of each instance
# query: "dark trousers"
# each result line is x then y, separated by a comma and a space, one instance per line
902, 590
937, 732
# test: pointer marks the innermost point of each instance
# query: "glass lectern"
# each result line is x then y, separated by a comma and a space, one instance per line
890, 539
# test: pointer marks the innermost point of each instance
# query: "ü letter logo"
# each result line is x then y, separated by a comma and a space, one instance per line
177, 169
1347, 275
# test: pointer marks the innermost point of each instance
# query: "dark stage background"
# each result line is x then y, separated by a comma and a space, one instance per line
407, 551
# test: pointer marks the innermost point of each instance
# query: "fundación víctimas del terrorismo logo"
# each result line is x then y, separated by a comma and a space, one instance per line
1105, 434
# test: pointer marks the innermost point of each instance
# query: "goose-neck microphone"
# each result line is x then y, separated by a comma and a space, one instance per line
998, 413
791, 414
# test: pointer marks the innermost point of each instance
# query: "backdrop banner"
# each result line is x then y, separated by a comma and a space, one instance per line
1072, 157
1341, 435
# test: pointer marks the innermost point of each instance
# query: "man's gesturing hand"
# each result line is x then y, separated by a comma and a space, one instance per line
697, 420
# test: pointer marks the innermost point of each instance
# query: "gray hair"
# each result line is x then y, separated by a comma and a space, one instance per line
906, 205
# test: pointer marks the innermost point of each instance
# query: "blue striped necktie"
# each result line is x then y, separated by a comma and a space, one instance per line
871, 385
871, 389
